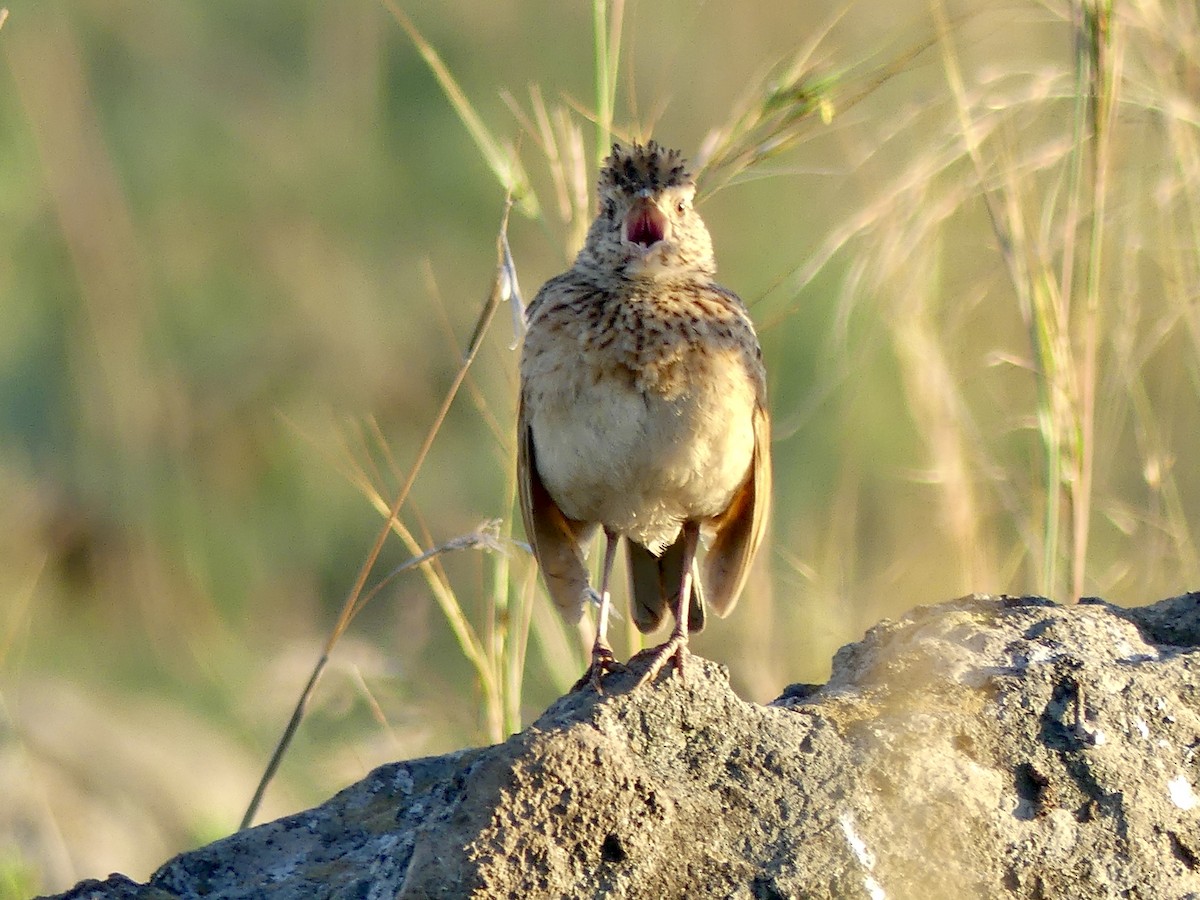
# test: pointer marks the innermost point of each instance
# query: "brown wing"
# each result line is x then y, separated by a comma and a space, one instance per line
557, 541
740, 528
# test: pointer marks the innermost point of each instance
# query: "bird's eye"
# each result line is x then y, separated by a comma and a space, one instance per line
680, 206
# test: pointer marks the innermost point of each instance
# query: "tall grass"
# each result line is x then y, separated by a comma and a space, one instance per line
1036, 152
1061, 318
497, 651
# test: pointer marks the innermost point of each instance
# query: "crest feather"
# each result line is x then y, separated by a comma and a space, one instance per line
639, 167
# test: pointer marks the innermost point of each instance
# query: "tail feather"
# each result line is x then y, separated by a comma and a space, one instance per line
654, 583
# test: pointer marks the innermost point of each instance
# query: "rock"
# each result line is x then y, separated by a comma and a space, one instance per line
989, 747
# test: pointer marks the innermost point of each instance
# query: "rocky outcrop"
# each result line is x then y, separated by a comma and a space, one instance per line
989, 747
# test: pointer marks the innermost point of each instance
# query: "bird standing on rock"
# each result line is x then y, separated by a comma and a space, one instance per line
643, 412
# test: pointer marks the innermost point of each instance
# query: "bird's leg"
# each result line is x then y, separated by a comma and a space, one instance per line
603, 659
676, 646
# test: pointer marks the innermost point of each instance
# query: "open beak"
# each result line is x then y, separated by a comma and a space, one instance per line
645, 224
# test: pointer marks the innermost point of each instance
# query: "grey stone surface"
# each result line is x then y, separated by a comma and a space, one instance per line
989, 747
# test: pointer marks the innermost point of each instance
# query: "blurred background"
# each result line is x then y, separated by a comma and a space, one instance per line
243, 249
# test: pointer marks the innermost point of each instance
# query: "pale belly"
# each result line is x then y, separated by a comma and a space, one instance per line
638, 463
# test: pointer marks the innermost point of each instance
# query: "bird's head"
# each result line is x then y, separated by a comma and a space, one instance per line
647, 226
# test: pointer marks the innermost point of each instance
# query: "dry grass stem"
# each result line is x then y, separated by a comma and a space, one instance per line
445, 597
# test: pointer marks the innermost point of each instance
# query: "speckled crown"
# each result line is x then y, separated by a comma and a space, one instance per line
652, 166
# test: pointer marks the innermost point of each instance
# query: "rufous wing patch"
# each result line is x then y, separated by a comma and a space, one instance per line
739, 530
556, 540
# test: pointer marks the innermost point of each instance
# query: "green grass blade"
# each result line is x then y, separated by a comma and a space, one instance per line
501, 160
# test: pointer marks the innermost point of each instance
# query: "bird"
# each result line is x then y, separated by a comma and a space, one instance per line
642, 413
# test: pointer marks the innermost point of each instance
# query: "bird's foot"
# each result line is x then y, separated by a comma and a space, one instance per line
603, 662
675, 649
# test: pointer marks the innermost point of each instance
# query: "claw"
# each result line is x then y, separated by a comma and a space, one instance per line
603, 662
675, 649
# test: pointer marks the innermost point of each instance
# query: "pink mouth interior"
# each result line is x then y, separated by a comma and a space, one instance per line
645, 225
